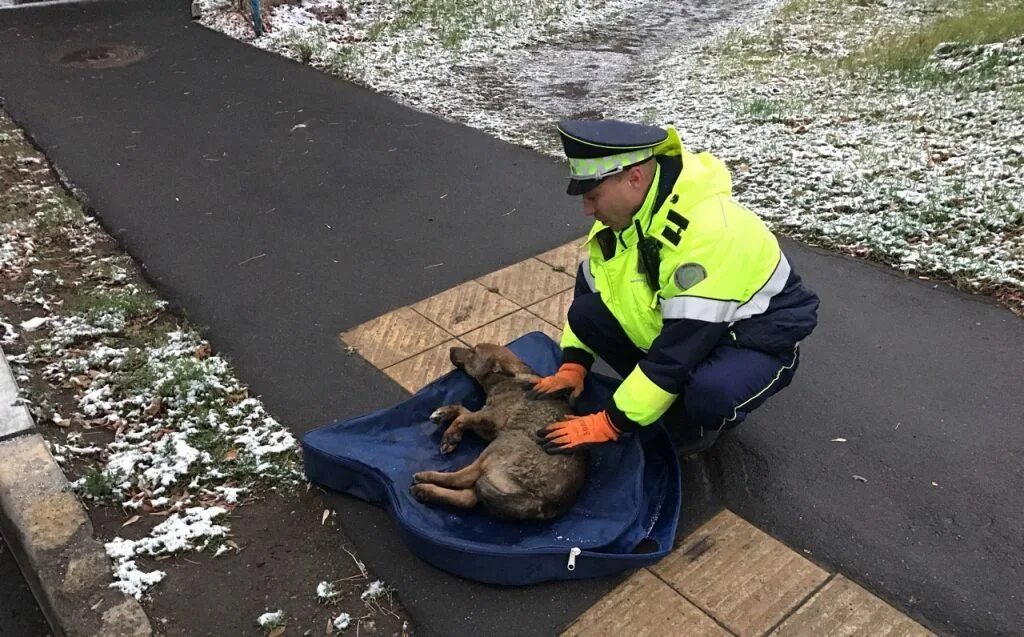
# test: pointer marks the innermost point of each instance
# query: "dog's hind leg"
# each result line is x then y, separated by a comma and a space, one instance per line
464, 478
461, 498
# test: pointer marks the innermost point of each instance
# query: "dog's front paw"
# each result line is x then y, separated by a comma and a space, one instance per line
449, 443
419, 478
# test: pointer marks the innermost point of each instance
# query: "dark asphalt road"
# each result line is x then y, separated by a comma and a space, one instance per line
19, 614
189, 157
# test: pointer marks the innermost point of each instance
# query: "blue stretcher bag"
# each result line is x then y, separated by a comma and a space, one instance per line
625, 517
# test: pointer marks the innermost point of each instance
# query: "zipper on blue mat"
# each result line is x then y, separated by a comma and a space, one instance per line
573, 552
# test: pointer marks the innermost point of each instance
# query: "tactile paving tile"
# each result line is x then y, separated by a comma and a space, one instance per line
644, 606
527, 282
465, 307
566, 257
844, 609
394, 337
739, 575
554, 309
507, 329
415, 373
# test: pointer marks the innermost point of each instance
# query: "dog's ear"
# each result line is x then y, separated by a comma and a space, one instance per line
460, 356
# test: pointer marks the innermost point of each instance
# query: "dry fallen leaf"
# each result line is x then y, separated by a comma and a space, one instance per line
131, 520
327, 514
839, 440
277, 632
230, 455
154, 408
860, 478
204, 351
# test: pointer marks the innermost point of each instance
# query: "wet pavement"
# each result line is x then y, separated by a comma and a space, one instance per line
592, 72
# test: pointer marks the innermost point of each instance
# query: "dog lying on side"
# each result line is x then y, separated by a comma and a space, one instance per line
513, 477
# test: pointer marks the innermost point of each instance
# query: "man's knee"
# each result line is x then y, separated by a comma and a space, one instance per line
589, 317
710, 399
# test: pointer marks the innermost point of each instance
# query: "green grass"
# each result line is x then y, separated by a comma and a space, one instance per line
98, 303
60, 212
907, 52
97, 484
761, 109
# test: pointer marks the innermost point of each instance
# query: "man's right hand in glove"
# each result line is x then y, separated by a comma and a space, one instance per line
568, 380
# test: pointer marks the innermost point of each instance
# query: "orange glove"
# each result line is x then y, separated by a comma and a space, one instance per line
577, 432
567, 380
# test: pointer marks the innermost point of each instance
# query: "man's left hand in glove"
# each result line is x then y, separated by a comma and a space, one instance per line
577, 432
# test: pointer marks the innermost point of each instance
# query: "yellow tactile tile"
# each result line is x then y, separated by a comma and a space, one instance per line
465, 307
566, 257
527, 282
554, 309
740, 575
509, 328
644, 606
844, 609
420, 370
394, 337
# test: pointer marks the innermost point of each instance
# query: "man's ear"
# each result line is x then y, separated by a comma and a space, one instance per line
636, 176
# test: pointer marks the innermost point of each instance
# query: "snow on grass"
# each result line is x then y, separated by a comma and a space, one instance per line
375, 590
919, 170
924, 175
342, 621
192, 531
271, 620
326, 592
180, 434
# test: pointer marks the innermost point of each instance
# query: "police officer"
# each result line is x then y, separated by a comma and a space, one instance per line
685, 293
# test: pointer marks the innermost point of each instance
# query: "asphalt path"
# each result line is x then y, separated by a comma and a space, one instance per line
277, 206
20, 616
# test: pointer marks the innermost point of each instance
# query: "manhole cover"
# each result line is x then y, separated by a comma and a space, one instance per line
103, 57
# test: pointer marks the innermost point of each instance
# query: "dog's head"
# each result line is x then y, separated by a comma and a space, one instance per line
490, 364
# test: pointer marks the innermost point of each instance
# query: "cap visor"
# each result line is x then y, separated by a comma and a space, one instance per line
581, 186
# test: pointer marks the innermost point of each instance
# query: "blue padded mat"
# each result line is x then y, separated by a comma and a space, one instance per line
625, 516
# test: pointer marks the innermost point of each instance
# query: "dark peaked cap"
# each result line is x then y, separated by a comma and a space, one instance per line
602, 147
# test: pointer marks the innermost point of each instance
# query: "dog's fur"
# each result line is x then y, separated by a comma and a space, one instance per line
513, 477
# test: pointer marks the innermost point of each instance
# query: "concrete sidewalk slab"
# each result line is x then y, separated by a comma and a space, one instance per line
742, 577
843, 609
644, 606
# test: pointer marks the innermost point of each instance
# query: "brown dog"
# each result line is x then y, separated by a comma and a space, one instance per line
513, 477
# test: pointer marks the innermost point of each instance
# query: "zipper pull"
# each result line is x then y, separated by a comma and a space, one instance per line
573, 552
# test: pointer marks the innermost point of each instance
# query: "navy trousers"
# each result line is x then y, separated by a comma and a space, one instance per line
719, 393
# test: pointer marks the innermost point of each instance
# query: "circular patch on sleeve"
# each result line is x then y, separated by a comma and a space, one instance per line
689, 275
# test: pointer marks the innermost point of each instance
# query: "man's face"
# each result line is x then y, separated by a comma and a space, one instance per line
614, 200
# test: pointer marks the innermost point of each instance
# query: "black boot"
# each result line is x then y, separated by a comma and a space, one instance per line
690, 443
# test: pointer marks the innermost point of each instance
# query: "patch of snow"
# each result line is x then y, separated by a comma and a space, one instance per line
373, 591
192, 531
271, 619
342, 621
325, 591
